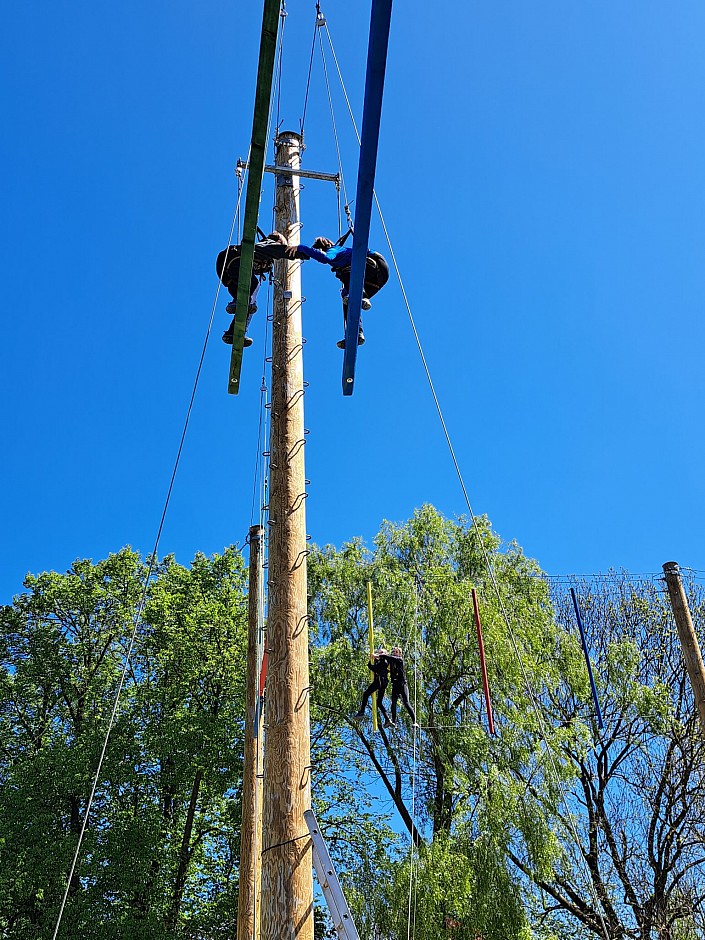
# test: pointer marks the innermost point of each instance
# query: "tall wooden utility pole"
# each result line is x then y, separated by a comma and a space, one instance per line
248, 907
287, 877
687, 635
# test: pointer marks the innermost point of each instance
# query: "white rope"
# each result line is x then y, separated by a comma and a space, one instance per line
259, 474
488, 562
143, 600
332, 118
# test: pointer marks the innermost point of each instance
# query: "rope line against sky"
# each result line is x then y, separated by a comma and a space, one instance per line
487, 560
143, 598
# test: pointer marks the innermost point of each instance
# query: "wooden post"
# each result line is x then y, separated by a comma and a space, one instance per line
687, 635
287, 877
248, 905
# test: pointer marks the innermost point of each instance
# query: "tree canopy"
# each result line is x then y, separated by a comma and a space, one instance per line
548, 829
162, 845
550, 825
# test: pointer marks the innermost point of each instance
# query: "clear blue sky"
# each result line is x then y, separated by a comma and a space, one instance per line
542, 173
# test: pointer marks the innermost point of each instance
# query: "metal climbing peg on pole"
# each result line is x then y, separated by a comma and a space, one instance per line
287, 877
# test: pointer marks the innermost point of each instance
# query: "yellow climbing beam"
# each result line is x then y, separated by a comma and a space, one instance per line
371, 628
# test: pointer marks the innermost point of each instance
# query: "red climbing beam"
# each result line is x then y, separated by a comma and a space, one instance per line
483, 664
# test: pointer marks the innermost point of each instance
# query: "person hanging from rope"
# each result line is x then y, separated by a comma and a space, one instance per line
380, 671
270, 249
400, 687
339, 258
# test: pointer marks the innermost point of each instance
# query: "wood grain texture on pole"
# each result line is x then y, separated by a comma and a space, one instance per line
287, 876
686, 633
251, 831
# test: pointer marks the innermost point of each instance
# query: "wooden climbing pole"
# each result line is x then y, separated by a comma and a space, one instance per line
687, 635
251, 832
287, 877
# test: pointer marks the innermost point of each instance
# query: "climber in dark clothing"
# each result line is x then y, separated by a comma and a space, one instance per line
273, 248
379, 670
339, 258
400, 688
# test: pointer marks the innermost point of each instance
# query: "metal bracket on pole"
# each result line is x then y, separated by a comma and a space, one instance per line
328, 880
288, 171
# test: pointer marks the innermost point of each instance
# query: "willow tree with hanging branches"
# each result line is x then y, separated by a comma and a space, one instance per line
521, 818
450, 783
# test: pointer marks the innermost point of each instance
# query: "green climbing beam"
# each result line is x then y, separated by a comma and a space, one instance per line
258, 149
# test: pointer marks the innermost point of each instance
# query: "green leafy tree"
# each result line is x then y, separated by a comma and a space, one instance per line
62, 643
451, 889
161, 851
633, 864
454, 782
599, 834
550, 829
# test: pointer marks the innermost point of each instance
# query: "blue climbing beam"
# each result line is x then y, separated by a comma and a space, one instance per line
380, 20
258, 149
583, 640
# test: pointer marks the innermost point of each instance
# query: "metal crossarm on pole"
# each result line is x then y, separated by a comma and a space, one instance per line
306, 174
258, 148
328, 880
380, 20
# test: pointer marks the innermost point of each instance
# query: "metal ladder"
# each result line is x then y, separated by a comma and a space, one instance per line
328, 880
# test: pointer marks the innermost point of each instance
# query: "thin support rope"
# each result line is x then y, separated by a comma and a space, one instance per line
143, 600
283, 14
491, 572
310, 68
488, 563
340, 210
240, 177
342, 83
332, 118
259, 455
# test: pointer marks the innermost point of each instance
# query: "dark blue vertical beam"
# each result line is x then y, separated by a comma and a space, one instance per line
583, 640
380, 20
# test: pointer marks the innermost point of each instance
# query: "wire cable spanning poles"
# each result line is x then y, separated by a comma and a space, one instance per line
486, 557
380, 20
258, 148
74, 868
